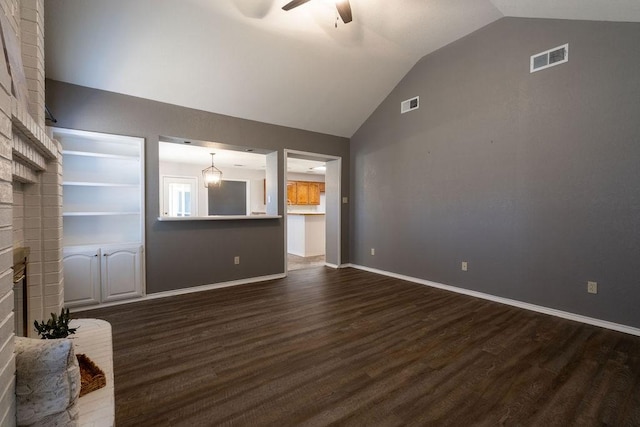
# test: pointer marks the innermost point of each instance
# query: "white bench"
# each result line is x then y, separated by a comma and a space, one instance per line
93, 338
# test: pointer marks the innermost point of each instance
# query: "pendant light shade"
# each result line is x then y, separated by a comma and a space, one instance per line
212, 176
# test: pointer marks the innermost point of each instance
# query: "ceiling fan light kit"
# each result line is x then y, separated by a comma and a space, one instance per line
342, 6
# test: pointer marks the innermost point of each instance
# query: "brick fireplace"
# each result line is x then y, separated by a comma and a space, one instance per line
30, 184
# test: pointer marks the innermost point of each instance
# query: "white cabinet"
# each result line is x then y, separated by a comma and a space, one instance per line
81, 276
93, 274
120, 273
103, 216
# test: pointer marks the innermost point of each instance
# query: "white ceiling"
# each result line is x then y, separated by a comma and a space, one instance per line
199, 155
250, 59
194, 154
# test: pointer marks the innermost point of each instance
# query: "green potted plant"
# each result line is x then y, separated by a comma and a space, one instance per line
91, 376
56, 327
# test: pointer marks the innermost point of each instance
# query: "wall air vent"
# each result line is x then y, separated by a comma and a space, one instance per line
557, 55
410, 104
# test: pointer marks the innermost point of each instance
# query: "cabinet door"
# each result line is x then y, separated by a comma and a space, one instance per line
322, 187
303, 193
81, 276
121, 273
292, 193
314, 193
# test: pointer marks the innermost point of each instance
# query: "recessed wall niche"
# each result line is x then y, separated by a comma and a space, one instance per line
243, 189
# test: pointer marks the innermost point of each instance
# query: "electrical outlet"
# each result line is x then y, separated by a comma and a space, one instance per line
373, 251
464, 266
592, 287
236, 260
345, 200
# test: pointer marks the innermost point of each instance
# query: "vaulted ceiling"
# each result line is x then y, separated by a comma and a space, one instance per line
251, 59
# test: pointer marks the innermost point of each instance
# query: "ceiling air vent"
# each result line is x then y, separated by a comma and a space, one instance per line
557, 55
410, 104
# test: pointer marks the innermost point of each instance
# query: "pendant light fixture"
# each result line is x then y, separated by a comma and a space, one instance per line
212, 176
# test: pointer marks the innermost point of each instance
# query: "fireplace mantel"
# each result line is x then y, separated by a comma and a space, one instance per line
32, 147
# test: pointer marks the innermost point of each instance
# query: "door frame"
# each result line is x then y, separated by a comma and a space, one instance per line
164, 181
337, 224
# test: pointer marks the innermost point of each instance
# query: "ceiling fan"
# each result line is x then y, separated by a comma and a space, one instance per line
343, 7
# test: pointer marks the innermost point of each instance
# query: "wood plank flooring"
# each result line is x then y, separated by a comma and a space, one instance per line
347, 347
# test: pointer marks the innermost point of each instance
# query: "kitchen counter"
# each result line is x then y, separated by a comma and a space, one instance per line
305, 213
216, 217
306, 233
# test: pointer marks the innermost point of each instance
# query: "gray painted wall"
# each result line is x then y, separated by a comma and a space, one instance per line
534, 179
185, 254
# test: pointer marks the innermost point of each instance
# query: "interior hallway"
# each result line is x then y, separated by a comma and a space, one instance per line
295, 262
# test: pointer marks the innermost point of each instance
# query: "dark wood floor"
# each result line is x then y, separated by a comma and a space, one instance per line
348, 347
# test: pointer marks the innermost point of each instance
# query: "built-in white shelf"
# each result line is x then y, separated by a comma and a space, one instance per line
103, 216
97, 184
99, 155
99, 213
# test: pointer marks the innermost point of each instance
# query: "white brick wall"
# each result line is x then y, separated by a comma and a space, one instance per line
52, 235
30, 213
18, 215
32, 29
7, 361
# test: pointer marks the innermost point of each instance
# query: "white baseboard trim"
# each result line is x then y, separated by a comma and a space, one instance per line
184, 291
326, 264
515, 303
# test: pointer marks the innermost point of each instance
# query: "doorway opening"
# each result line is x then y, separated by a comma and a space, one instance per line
312, 232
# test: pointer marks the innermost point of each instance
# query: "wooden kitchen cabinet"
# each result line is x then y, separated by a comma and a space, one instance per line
314, 193
322, 187
292, 193
303, 192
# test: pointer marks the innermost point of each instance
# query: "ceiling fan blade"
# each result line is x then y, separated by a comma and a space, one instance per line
294, 3
344, 9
